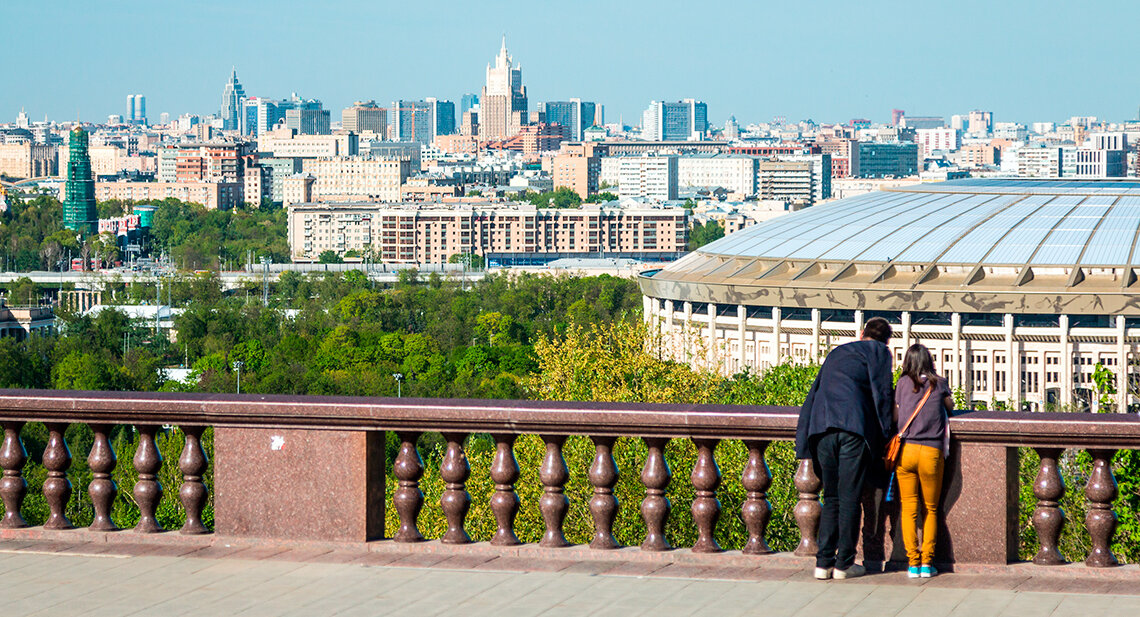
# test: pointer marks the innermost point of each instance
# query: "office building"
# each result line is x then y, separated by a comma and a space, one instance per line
232, 95
574, 115
1105, 155
422, 121
734, 172
646, 177
79, 213
522, 235
468, 101
1020, 289
365, 116
357, 178
685, 120
503, 103
979, 123
886, 160
308, 121
287, 143
136, 109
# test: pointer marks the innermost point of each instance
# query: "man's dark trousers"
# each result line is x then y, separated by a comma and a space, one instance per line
841, 461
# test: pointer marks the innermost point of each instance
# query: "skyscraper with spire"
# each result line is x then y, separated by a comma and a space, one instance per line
503, 105
79, 212
232, 97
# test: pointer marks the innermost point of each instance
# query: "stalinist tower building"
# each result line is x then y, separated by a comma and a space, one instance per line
502, 108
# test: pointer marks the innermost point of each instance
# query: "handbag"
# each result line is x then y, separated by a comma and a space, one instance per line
894, 446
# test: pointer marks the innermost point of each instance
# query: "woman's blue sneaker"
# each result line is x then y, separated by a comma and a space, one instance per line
912, 572
927, 572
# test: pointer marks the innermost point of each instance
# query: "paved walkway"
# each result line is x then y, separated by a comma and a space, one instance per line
43, 582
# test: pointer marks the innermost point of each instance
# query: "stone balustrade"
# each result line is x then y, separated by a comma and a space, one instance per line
339, 443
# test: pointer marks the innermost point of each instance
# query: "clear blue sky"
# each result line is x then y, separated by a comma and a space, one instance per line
828, 60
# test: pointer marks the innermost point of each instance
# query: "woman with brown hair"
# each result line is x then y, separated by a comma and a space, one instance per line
922, 404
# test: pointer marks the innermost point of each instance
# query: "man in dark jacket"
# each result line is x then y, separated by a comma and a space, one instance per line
844, 425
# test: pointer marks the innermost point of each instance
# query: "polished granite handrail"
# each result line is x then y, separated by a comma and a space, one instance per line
987, 478
1034, 429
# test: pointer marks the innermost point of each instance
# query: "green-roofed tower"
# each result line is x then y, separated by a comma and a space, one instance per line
79, 213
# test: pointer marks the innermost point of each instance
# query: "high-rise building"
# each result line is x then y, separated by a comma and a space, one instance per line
164, 118
574, 115
232, 96
364, 116
467, 101
685, 120
79, 212
308, 120
503, 103
136, 109
421, 121
980, 123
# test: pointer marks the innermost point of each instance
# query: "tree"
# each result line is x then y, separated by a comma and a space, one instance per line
329, 256
601, 197
703, 234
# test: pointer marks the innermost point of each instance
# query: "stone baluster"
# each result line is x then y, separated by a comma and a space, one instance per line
12, 484
455, 501
103, 490
193, 463
553, 504
57, 488
147, 491
603, 504
1048, 517
505, 501
756, 510
706, 507
1101, 520
655, 476
808, 509
408, 499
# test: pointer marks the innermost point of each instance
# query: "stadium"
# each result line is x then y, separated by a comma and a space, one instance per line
1020, 288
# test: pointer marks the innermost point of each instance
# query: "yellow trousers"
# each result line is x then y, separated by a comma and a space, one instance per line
919, 474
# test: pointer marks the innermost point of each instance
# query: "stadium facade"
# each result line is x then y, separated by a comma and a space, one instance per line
1020, 288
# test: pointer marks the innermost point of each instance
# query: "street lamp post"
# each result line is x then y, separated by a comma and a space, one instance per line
399, 377
237, 367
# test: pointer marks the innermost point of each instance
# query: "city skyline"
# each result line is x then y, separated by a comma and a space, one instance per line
754, 62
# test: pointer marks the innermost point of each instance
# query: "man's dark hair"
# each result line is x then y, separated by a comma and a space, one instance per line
877, 328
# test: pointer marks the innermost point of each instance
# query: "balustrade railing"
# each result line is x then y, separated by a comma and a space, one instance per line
980, 519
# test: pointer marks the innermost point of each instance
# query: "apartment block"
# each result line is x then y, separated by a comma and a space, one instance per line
577, 167
357, 178
28, 160
411, 234
212, 195
787, 181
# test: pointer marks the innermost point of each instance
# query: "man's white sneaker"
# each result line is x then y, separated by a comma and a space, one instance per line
822, 573
854, 571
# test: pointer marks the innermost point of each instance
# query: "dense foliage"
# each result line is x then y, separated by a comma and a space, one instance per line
704, 233
32, 237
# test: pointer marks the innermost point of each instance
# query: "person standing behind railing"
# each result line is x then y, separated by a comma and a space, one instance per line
844, 424
926, 397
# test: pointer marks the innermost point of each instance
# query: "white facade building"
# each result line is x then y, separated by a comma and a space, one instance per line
737, 173
649, 177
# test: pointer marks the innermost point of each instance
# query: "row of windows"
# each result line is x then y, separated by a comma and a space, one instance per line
916, 317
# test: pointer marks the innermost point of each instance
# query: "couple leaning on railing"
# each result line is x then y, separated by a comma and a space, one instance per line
863, 435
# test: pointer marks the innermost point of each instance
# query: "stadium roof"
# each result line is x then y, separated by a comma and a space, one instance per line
962, 236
